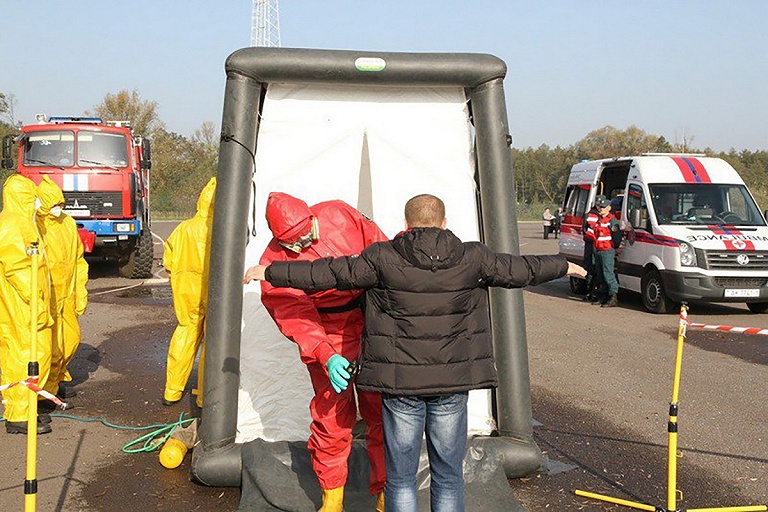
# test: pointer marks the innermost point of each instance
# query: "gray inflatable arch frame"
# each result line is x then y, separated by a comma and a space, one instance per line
216, 460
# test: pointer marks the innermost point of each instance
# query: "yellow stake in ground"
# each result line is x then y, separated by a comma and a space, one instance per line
672, 491
30, 484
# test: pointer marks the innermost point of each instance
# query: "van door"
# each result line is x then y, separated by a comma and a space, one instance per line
571, 241
635, 226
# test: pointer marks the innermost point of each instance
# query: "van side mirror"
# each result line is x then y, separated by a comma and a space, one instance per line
7, 162
638, 218
146, 154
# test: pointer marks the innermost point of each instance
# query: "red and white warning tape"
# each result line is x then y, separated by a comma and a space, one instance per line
31, 383
745, 330
683, 321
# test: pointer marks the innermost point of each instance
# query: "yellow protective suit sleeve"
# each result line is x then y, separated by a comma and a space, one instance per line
81, 279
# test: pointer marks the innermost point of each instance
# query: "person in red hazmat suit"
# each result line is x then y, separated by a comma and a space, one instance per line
17, 233
327, 327
69, 275
186, 255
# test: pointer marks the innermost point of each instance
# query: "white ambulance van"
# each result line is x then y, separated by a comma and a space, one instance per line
691, 229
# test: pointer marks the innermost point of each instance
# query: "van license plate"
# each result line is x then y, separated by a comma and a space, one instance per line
742, 293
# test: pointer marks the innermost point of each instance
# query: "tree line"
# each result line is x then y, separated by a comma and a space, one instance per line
541, 173
182, 165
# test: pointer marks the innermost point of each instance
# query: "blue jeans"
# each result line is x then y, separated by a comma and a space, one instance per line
444, 420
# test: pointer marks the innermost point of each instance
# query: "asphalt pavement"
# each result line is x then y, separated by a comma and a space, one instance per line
601, 383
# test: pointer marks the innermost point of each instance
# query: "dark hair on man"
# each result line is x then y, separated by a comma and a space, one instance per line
424, 211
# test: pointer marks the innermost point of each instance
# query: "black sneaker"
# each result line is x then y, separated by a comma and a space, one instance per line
43, 418
612, 302
20, 427
169, 402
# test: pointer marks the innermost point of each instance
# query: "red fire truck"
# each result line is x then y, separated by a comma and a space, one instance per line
103, 169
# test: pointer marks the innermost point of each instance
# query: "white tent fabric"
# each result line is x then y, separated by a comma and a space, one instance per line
311, 145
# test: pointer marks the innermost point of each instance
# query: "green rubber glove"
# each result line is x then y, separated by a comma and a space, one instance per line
337, 370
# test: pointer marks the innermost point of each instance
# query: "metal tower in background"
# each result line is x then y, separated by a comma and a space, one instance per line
265, 23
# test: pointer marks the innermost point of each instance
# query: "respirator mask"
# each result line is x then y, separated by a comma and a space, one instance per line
305, 241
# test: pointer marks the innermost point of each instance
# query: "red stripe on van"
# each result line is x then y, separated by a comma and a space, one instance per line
647, 238
699, 169
685, 169
692, 169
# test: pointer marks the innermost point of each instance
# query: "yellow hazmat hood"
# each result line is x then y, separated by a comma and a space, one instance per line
205, 201
19, 195
50, 195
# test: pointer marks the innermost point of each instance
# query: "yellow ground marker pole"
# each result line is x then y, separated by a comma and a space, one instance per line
33, 370
672, 455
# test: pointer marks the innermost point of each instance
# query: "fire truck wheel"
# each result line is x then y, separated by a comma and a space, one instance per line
138, 265
758, 307
655, 298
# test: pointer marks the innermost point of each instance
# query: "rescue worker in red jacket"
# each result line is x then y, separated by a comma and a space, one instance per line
588, 230
607, 239
327, 327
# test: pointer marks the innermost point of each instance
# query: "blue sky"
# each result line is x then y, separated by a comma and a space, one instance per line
686, 68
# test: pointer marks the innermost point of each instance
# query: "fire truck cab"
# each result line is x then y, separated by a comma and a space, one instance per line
103, 170
691, 229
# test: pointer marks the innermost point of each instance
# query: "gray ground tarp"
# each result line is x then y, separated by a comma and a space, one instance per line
278, 476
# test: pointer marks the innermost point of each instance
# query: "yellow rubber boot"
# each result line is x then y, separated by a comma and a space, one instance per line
333, 500
380, 502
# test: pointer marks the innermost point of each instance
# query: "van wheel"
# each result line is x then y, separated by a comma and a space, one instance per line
655, 298
578, 286
758, 307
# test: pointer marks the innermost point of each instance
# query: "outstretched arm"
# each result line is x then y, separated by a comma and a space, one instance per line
343, 273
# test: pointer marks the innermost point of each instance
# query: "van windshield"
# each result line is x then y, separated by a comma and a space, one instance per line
704, 203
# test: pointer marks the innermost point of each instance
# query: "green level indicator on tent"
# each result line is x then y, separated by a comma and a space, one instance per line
370, 64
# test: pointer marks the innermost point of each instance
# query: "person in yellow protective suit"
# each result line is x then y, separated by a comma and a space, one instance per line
17, 233
185, 258
69, 275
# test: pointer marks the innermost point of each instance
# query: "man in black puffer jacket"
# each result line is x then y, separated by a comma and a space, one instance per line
427, 338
